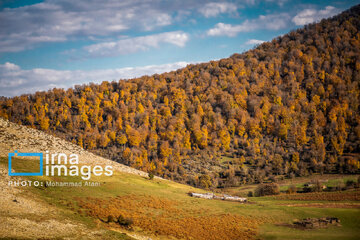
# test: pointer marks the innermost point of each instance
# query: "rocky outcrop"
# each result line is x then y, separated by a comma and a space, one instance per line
24, 139
310, 223
219, 197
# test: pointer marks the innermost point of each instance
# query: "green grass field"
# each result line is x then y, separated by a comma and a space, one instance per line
329, 180
157, 206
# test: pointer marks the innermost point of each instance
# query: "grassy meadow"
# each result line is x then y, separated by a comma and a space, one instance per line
162, 209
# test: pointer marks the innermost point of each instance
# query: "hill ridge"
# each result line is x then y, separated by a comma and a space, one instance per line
24, 139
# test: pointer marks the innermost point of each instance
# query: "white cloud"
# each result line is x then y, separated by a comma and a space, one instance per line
312, 15
16, 81
250, 2
269, 22
253, 2
229, 30
215, 8
56, 21
69, 20
254, 42
131, 45
278, 2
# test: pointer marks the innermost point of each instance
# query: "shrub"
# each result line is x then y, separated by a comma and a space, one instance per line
291, 189
267, 189
339, 186
151, 176
205, 181
126, 222
307, 189
111, 219
272, 178
331, 189
350, 184
318, 187
250, 194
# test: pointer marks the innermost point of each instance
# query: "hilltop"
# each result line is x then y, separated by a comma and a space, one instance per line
287, 108
17, 137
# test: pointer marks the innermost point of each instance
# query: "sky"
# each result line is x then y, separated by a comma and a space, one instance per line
62, 43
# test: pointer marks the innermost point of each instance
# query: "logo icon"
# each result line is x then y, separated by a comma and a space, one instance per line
15, 154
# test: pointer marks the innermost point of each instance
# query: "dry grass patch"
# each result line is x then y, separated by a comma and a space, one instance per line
164, 217
322, 196
324, 205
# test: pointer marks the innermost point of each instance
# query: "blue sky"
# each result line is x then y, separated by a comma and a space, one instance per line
47, 44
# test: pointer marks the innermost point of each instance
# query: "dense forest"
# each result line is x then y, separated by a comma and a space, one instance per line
287, 108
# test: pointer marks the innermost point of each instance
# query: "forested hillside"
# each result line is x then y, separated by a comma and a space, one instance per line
288, 107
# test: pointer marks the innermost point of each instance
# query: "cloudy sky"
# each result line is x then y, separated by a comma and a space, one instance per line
47, 44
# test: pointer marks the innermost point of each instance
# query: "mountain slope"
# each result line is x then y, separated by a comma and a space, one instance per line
24, 213
16, 137
289, 107
158, 209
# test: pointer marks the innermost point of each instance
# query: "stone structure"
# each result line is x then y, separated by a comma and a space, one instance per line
317, 222
219, 197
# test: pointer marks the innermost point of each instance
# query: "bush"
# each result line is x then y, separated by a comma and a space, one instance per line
272, 178
318, 187
250, 194
126, 222
330, 189
350, 184
291, 189
151, 176
308, 189
205, 181
267, 189
340, 186
111, 219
